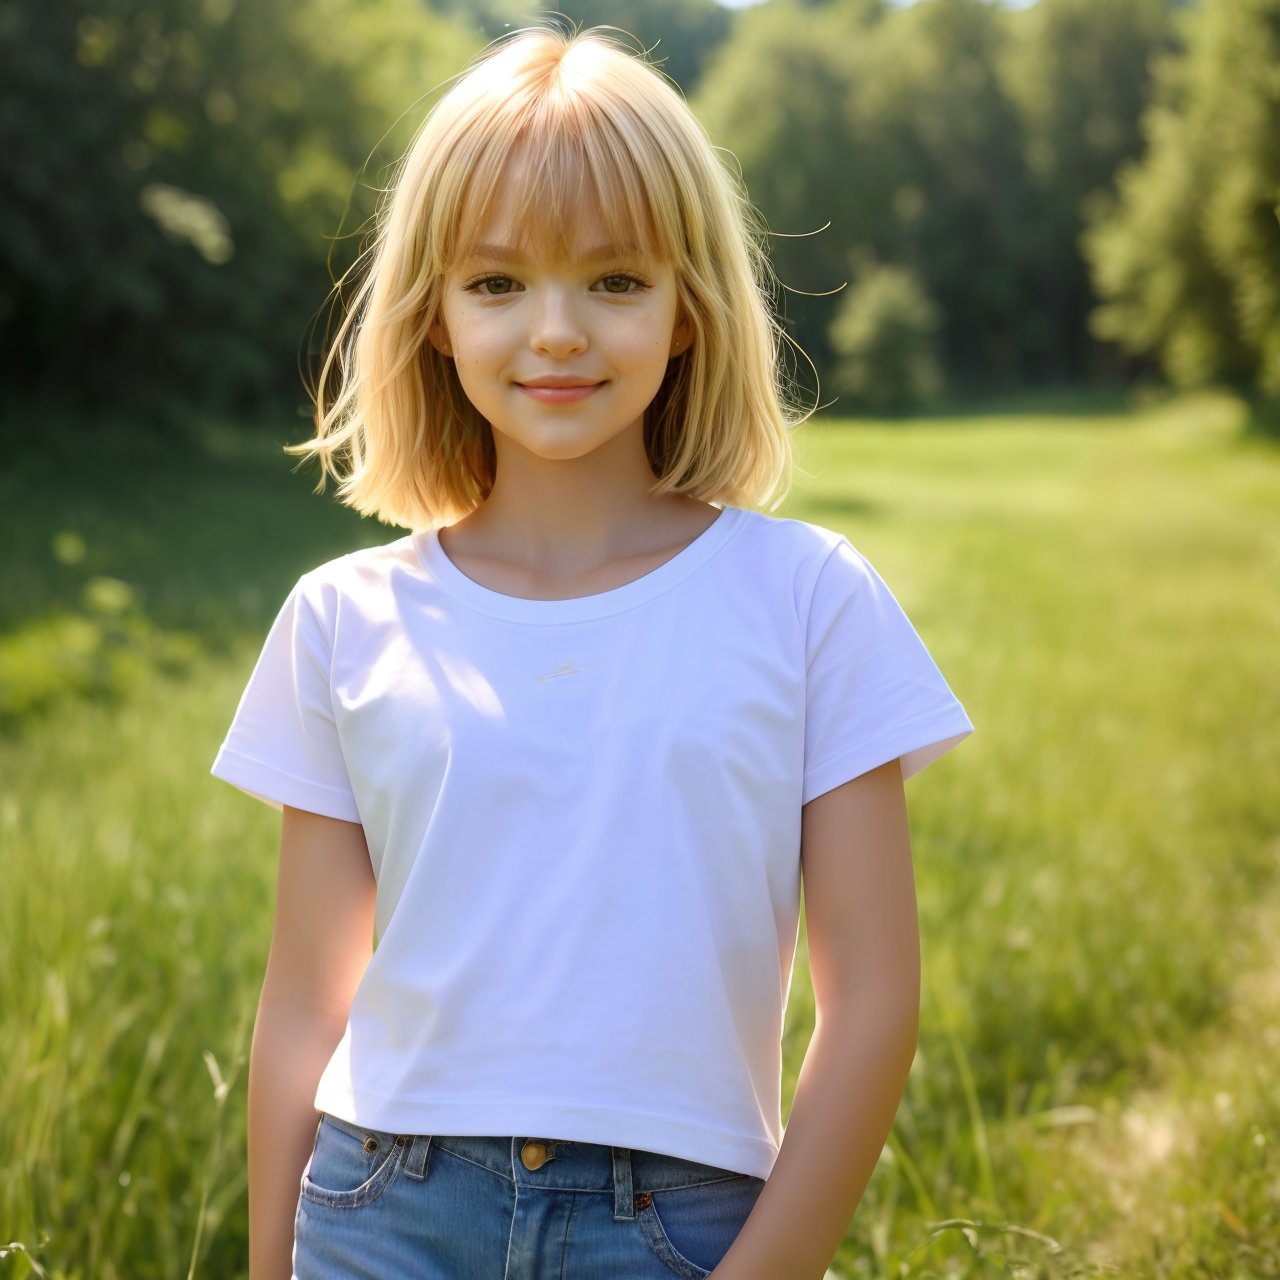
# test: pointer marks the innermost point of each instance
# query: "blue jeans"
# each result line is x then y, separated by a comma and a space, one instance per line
388, 1206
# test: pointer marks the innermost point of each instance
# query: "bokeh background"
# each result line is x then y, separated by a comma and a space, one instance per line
1031, 256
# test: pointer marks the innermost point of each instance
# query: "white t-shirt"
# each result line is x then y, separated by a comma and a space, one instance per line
584, 819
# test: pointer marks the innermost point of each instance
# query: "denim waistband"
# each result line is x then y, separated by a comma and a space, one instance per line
567, 1166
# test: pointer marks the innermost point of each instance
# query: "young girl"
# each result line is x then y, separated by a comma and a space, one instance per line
566, 747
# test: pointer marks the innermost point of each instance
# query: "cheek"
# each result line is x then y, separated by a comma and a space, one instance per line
480, 343
649, 339
473, 372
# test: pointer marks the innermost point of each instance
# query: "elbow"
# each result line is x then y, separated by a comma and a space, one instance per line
889, 1014
900, 1024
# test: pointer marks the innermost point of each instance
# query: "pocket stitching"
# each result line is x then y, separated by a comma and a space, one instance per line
661, 1244
366, 1192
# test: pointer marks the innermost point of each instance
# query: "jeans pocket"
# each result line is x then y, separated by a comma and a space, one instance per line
690, 1229
350, 1166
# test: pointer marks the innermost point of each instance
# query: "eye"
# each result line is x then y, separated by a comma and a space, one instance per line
491, 286
622, 282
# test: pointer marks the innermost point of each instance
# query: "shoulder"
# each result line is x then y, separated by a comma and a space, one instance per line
834, 588
357, 580
365, 564
787, 539
805, 554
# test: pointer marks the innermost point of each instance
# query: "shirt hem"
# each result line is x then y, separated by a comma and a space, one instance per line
275, 787
556, 1121
918, 742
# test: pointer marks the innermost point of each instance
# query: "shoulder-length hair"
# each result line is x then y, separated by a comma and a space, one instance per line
392, 422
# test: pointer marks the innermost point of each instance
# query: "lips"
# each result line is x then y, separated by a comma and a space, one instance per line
559, 380
559, 388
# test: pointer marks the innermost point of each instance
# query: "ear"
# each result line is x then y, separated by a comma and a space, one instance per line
681, 336
439, 337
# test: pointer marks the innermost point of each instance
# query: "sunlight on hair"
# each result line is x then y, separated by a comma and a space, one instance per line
566, 122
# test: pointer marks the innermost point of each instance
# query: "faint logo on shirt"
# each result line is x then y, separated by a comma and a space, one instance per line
564, 669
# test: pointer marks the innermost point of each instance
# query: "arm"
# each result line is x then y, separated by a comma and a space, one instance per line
864, 955
320, 945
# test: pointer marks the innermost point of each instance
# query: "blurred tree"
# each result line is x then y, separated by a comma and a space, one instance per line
951, 176
896, 128
175, 171
883, 336
1078, 72
776, 95
1187, 255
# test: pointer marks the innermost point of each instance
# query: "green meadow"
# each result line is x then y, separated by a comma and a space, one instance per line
1096, 1090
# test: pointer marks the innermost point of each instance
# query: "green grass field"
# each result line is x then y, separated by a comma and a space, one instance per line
1096, 1090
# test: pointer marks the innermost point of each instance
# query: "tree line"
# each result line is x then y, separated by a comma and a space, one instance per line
958, 196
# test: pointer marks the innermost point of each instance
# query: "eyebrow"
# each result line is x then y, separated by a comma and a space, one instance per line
601, 253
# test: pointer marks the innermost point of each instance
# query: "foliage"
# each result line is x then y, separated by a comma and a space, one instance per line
795, 156
1077, 71
883, 336
173, 229
950, 137
171, 241
1187, 257
951, 146
896, 128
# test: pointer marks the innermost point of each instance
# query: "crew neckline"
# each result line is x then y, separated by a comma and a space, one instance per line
600, 604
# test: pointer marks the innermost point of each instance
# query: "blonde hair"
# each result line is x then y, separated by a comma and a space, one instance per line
595, 118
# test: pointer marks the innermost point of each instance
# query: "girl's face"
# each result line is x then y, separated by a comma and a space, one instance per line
559, 355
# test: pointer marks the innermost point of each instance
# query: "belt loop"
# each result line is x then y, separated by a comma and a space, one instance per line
415, 1163
624, 1206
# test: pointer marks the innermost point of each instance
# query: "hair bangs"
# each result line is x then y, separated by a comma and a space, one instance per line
564, 164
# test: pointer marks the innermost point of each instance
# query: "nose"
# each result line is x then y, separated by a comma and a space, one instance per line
558, 331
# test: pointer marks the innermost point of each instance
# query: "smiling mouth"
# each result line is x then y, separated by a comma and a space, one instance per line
557, 392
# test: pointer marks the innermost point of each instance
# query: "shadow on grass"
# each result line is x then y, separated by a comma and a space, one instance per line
208, 526
1263, 422
127, 546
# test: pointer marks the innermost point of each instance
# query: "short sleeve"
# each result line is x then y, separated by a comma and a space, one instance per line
283, 746
873, 691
